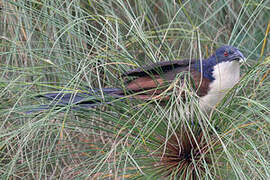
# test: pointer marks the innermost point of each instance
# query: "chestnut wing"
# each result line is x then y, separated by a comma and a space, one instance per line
149, 87
153, 79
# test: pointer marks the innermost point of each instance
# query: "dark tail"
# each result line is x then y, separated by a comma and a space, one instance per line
88, 99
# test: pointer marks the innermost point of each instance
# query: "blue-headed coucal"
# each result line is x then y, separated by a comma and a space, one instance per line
211, 78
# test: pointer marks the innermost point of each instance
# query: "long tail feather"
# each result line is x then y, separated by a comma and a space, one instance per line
88, 99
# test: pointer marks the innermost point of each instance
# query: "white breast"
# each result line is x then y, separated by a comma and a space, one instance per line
226, 75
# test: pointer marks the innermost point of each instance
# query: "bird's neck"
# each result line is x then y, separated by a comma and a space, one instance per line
209, 66
206, 66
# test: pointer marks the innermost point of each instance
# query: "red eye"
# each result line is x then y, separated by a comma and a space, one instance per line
226, 54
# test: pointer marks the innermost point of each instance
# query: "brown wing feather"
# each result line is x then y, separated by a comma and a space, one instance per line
143, 83
201, 83
151, 86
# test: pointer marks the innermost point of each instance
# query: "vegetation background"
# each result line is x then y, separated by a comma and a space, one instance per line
76, 45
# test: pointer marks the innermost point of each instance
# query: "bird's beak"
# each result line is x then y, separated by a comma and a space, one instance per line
241, 57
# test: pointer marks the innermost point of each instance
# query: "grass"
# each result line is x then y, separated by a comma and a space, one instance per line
76, 45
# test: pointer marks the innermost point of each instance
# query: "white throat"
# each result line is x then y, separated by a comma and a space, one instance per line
226, 75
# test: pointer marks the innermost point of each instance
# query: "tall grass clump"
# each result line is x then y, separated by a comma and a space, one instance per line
80, 45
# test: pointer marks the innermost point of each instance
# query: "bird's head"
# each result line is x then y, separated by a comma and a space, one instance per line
227, 53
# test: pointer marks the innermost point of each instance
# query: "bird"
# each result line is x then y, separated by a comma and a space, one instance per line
212, 78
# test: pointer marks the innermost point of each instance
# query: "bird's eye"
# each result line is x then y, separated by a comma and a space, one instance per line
226, 54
